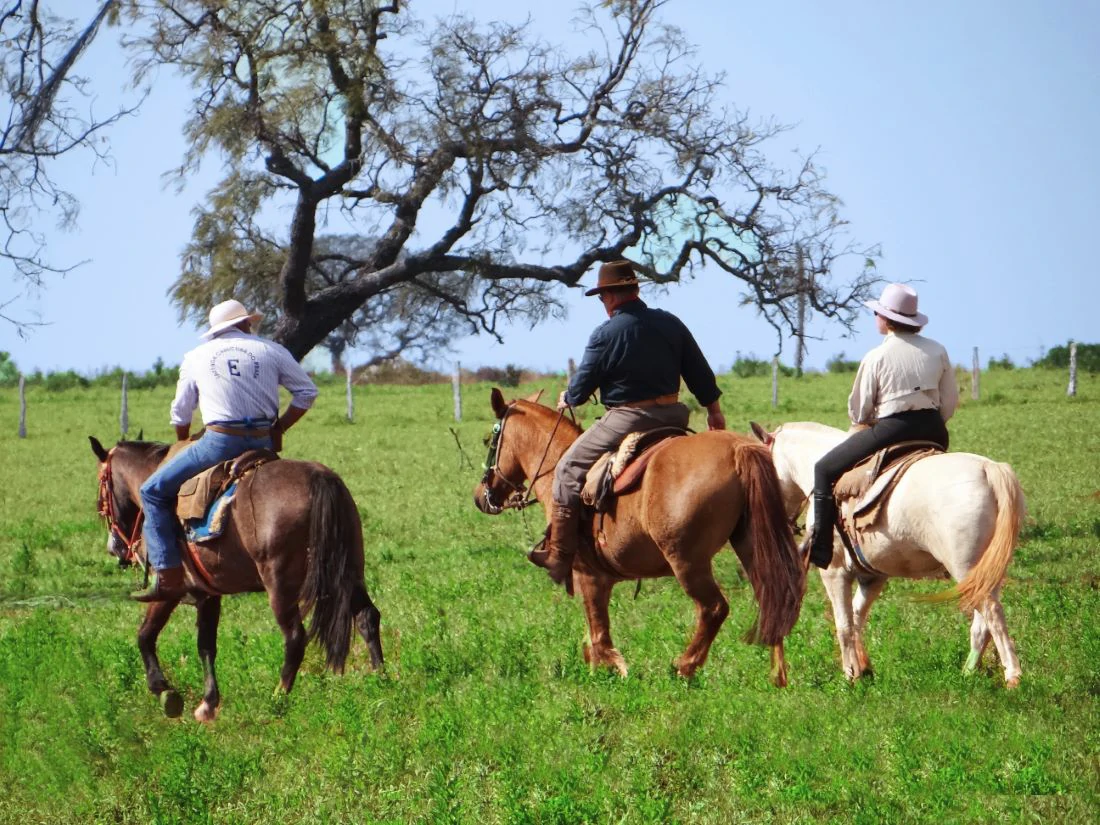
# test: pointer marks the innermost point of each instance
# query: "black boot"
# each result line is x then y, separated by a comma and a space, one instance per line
820, 539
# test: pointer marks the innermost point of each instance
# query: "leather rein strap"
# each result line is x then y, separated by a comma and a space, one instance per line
108, 510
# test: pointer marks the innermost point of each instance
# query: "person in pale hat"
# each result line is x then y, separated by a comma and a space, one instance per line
904, 390
635, 360
234, 379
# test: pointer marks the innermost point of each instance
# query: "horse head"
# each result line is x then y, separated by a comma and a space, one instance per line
526, 442
122, 469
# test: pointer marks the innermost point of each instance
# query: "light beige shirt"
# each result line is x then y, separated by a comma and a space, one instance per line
905, 372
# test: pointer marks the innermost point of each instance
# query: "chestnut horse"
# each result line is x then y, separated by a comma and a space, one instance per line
698, 493
293, 531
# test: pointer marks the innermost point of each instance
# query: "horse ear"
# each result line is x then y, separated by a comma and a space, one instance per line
761, 433
141, 434
97, 448
497, 400
534, 399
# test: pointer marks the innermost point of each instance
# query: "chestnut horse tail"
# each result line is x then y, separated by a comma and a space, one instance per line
986, 576
777, 573
334, 532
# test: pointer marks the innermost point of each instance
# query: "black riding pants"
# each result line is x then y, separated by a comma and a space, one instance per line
915, 425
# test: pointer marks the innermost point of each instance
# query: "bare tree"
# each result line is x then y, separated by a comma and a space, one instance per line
491, 167
39, 53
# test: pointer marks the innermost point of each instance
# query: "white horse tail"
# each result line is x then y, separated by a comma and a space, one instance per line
986, 576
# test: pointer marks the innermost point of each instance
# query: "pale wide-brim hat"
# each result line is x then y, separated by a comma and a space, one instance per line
228, 314
898, 302
612, 275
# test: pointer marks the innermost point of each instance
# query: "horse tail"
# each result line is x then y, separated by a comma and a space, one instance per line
331, 574
777, 573
987, 575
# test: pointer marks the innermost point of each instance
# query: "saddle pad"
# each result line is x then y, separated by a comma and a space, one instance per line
196, 494
213, 523
860, 514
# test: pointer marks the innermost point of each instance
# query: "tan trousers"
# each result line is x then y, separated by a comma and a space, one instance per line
605, 435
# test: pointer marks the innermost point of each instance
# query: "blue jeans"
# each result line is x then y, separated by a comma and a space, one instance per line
158, 493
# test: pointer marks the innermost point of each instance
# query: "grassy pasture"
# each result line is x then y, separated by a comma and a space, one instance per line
486, 712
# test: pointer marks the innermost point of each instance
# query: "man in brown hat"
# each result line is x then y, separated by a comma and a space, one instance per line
635, 359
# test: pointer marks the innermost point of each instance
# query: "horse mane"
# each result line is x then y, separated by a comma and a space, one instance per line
547, 415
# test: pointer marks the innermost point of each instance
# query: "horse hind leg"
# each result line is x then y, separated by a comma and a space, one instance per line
289, 617
368, 620
994, 616
599, 650
979, 639
711, 609
156, 617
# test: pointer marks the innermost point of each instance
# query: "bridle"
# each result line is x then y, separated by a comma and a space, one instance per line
107, 507
521, 496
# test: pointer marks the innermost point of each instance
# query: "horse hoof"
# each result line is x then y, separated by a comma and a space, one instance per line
171, 703
206, 713
1012, 683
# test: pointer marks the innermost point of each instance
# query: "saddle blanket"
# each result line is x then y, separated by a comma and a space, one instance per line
212, 524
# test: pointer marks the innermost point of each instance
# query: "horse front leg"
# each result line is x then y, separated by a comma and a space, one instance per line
866, 594
156, 617
599, 650
838, 587
209, 614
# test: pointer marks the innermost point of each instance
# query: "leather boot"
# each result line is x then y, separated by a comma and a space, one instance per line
561, 546
167, 586
819, 543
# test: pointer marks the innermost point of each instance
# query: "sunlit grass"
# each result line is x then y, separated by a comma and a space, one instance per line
486, 711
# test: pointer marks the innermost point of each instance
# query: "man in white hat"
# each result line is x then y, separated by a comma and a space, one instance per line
904, 390
234, 379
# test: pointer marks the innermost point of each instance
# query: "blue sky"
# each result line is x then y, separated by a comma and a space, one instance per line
962, 137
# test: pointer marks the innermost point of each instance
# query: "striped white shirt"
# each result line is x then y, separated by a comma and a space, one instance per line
236, 376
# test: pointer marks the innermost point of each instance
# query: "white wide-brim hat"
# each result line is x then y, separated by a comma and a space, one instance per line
228, 314
898, 302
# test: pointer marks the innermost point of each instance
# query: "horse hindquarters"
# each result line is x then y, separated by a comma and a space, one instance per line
985, 578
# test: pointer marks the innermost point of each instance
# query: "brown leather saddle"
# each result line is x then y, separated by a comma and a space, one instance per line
619, 472
863, 491
198, 494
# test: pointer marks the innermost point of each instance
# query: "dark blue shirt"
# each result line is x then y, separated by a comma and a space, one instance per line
640, 353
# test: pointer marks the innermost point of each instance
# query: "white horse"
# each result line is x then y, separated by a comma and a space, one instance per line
955, 514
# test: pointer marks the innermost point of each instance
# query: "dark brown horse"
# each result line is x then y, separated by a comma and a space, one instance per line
698, 493
294, 531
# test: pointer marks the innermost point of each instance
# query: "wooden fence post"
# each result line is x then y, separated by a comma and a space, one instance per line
571, 368
775, 381
456, 385
975, 376
351, 404
22, 407
124, 414
1071, 391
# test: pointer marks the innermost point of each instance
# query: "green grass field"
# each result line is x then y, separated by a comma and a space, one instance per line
486, 711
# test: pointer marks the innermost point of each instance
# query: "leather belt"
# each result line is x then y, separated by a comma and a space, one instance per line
255, 432
659, 401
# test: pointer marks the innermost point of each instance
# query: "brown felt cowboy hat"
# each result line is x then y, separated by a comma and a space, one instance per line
612, 275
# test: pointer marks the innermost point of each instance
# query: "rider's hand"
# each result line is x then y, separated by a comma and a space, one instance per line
716, 421
563, 405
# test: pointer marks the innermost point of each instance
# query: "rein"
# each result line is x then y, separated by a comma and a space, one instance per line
108, 511
520, 498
